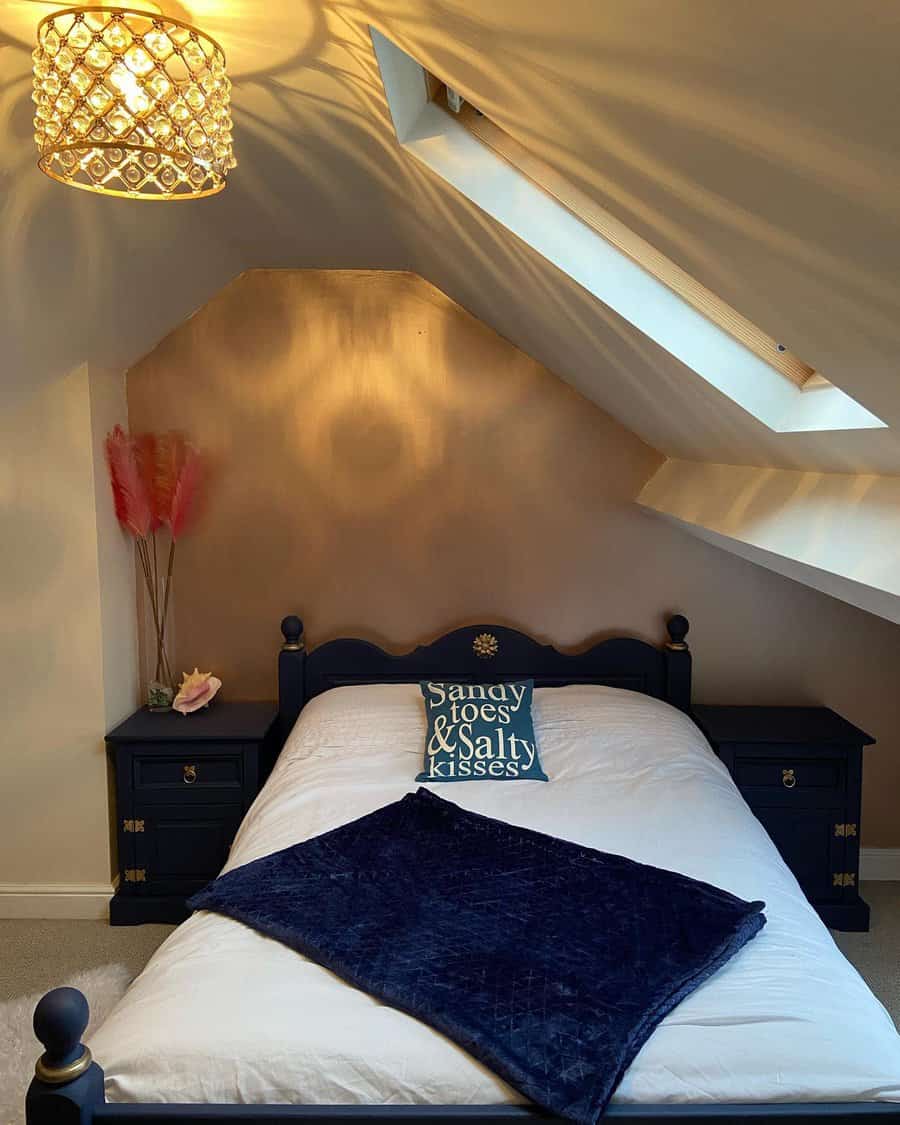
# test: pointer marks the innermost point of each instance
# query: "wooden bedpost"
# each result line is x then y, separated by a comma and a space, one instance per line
291, 675
678, 664
67, 1085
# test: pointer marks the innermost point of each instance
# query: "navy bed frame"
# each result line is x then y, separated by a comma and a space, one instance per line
68, 1084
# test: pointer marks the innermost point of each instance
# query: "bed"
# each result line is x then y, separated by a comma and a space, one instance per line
225, 1023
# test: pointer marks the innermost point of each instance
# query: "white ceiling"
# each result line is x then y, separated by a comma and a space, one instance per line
757, 145
835, 533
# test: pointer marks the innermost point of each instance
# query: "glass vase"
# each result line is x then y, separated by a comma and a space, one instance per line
159, 696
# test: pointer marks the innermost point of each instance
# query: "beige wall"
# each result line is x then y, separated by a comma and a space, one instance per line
53, 786
68, 649
115, 557
387, 466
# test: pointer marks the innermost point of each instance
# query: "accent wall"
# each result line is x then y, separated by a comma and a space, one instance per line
386, 465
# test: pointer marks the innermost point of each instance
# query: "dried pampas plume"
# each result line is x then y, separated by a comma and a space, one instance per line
155, 482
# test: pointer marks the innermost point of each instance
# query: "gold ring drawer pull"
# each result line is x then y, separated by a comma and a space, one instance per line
788, 779
190, 775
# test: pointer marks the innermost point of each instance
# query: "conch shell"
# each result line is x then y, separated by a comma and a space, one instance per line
197, 689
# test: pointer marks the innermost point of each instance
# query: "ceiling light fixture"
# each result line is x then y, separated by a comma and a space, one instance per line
131, 103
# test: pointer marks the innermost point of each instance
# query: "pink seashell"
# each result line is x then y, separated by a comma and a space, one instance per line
197, 689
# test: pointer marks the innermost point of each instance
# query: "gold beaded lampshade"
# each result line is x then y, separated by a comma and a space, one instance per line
131, 103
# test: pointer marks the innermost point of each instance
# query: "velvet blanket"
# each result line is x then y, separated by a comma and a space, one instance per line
550, 962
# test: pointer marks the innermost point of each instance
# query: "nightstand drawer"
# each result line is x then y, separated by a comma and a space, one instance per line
792, 773
185, 770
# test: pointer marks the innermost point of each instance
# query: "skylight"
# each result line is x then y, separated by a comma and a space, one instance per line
565, 226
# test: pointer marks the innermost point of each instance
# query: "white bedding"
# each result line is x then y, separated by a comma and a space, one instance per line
223, 1014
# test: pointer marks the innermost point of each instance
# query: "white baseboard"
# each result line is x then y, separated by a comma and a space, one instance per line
879, 863
55, 900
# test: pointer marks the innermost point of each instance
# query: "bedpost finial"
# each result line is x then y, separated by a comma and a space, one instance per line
677, 627
60, 1019
292, 631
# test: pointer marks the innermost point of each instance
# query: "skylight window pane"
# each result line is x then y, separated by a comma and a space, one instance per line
639, 250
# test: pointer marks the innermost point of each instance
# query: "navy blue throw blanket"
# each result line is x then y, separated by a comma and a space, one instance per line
550, 962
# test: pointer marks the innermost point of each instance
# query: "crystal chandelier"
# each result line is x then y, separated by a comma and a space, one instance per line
131, 103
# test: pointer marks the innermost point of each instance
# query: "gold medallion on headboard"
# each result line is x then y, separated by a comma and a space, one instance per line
485, 645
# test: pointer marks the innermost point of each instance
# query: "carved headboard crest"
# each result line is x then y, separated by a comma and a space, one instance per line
482, 653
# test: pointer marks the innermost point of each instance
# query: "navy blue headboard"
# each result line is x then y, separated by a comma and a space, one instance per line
482, 653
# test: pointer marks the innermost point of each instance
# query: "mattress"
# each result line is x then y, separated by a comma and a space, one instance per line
223, 1014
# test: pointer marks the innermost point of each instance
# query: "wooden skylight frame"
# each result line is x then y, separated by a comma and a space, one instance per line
602, 223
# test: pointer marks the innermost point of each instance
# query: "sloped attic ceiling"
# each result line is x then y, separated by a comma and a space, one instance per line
756, 145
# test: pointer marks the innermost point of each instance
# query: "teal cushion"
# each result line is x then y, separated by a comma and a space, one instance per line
480, 732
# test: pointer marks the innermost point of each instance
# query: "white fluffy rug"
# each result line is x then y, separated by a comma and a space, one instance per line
103, 987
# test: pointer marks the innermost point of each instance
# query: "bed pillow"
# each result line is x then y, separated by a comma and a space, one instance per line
480, 732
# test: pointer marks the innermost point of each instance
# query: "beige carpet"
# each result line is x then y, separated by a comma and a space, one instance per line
877, 953
36, 955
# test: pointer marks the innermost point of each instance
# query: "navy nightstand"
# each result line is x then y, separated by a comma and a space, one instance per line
183, 784
800, 771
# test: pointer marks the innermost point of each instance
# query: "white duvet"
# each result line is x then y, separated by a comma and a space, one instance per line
223, 1014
